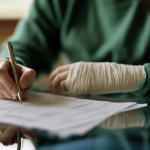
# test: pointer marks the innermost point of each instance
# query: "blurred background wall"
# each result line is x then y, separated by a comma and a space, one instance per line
11, 11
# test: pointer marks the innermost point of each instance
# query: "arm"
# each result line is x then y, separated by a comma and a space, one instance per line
102, 78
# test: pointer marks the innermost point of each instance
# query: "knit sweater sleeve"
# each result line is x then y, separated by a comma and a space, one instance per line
144, 88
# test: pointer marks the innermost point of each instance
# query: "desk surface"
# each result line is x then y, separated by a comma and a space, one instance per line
124, 131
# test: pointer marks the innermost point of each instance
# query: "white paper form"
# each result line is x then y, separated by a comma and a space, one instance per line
58, 114
133, 107
80, 129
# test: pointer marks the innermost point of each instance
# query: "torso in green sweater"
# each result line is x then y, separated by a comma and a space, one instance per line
86, 30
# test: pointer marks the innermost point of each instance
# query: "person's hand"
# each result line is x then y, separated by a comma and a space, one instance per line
58, 77
8, 134
8, 88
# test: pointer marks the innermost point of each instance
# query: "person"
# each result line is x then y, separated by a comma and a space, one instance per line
89, 31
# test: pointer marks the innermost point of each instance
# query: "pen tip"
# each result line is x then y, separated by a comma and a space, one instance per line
20, 97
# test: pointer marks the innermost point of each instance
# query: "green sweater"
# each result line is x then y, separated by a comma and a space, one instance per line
86, 30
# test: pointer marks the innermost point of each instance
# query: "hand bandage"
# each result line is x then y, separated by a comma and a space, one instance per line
103, 78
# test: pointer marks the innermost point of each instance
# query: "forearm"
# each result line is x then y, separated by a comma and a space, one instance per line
103, 78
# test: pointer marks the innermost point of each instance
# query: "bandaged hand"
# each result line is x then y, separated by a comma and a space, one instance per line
99, 78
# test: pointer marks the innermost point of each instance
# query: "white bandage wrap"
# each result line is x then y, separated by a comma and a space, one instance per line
103, 78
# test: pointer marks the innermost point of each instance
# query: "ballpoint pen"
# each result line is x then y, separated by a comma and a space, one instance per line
13, 65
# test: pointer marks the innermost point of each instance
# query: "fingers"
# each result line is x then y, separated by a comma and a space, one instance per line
27, 78
62, 85
5, 91
8, 83
59, 70
59, 78
7, 136
24, 95
2, 96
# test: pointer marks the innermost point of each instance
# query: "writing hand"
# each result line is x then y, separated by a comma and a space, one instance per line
8, 88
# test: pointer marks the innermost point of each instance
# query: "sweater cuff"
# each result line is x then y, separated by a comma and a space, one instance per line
145, 82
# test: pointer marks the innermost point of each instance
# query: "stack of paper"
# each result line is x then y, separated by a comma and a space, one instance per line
59, 114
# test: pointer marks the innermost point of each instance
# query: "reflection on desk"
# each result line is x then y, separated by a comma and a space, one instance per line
124, 120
